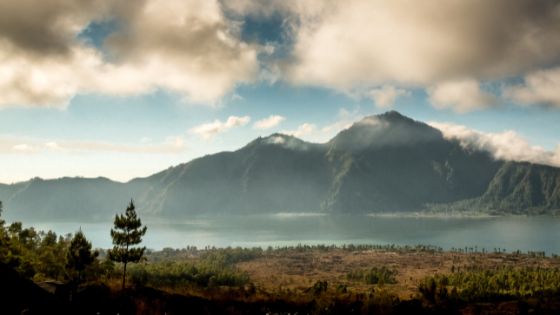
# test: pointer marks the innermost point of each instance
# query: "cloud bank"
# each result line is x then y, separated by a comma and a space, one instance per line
507, 145
423, 42
461, 96
196, 48
386, 95
450, 48
539, 87
187, 47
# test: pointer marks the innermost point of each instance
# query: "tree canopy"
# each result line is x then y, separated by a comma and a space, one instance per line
127, 232
79, 256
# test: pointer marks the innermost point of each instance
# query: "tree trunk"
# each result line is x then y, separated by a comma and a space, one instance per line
124, 276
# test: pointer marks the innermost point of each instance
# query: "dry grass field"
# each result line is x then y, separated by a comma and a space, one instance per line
297, 271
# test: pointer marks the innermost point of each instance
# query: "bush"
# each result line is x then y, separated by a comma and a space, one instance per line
374, 275
177, 274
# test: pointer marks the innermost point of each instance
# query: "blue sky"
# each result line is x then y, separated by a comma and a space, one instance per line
120, 94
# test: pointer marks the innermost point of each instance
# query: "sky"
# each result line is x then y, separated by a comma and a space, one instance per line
123, 89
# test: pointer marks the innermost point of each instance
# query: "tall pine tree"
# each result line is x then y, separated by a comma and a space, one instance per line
127, 232
79, 256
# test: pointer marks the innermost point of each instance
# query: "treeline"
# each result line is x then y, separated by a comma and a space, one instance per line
483, 284
356, 247
33, 254
193, 251
190, 267
40, 255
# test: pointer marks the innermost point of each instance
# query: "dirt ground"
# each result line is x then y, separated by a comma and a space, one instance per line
295, 270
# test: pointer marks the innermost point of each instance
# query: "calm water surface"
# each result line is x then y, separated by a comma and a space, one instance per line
511, 233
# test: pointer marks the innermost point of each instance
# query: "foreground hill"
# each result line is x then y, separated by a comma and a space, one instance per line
384, 163
322, 279
23, 296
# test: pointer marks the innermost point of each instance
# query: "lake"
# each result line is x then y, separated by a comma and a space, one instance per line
511, 233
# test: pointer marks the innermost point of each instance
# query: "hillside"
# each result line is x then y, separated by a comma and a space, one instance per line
383, 163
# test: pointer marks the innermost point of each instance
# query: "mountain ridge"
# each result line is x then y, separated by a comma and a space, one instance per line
383, 163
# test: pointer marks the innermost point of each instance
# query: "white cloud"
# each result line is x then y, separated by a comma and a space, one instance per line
345, 119
556, 157
188, 47
276, 140
373, 121
302, 130
23, 147
209, 130
14, 145
507, 145
52, 145
145, 140
341, 44
461, 96
48, 81
320, 134
170, 146
539, 87
386, 95
236, 97
323, 133
269, 122
194, 48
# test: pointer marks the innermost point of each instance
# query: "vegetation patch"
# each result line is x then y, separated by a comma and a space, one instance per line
374, 275
482, 284
181, 274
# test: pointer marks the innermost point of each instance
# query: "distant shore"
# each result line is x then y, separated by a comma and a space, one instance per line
429, 215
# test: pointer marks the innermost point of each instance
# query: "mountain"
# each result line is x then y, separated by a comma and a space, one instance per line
383, 163
274, 174
393, 163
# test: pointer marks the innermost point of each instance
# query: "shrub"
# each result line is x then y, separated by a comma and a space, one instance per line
374, 275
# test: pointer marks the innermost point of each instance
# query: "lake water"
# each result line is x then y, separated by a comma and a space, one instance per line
511, 233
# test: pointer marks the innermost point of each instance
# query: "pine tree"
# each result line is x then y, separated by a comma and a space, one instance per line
128, 232
79, 256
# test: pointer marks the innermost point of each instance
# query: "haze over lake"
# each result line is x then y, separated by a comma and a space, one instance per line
511, 233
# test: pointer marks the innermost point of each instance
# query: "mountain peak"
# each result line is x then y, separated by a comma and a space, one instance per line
393, 114
390, 117
387, 129
283, 140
